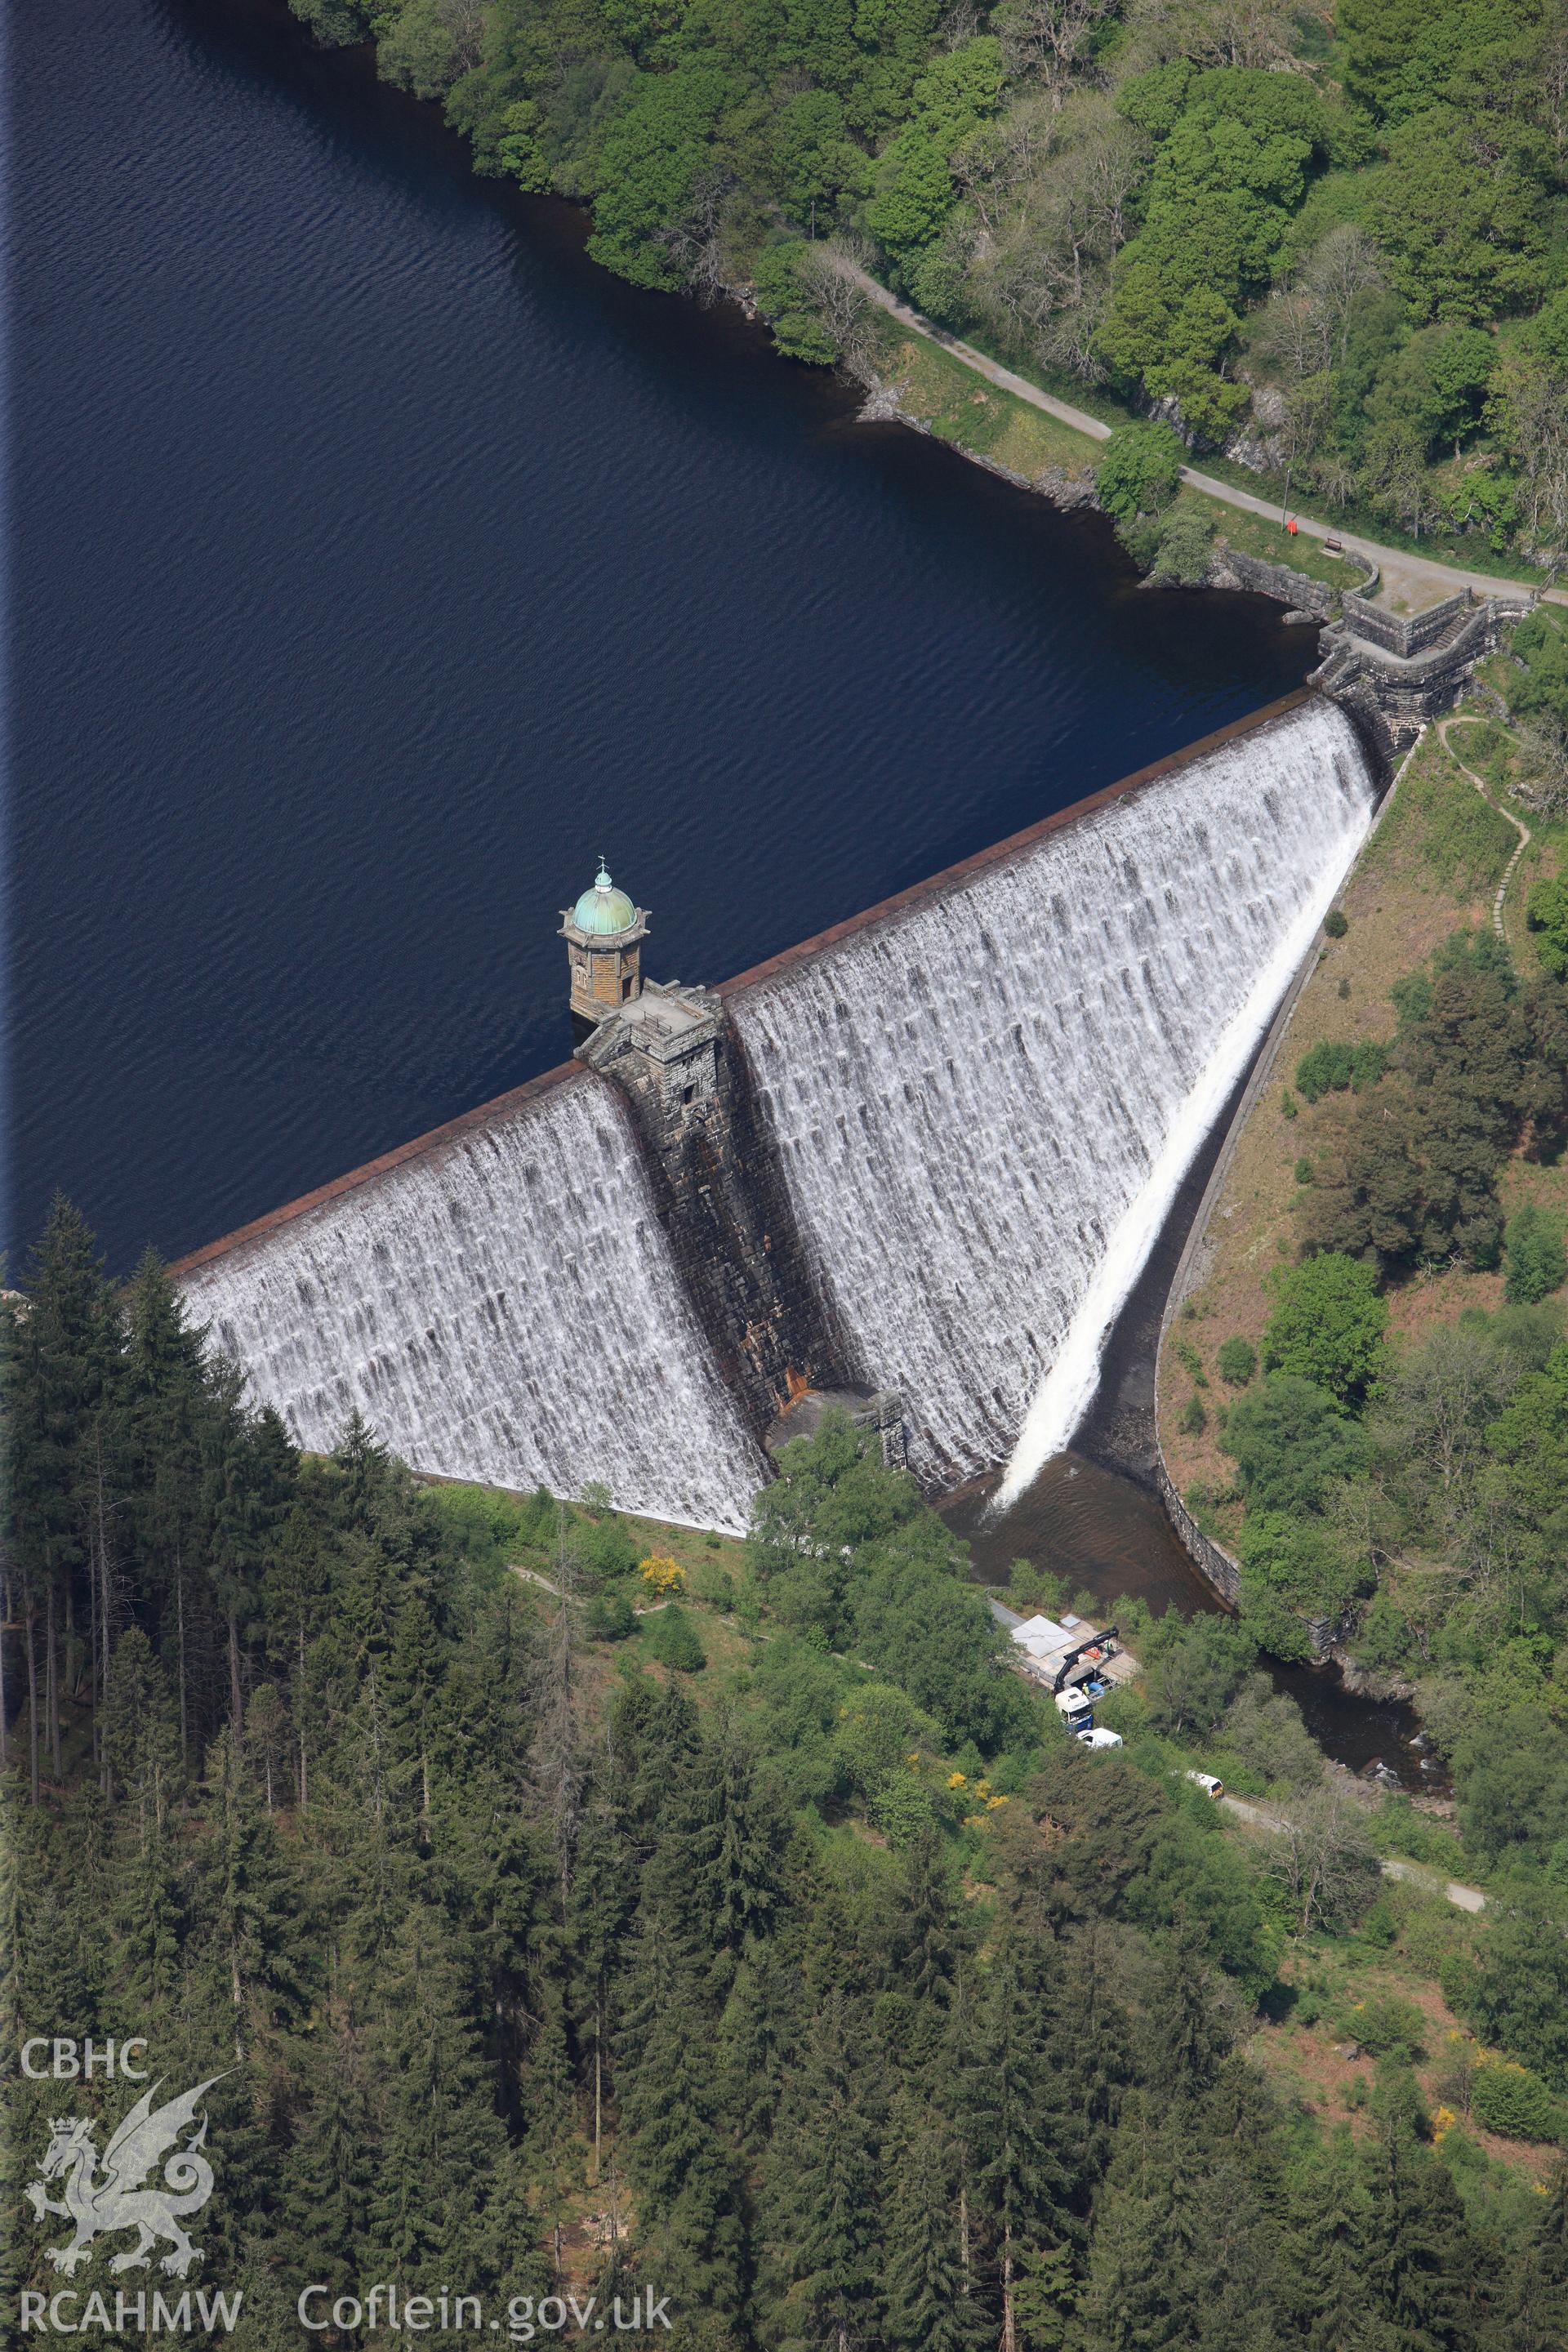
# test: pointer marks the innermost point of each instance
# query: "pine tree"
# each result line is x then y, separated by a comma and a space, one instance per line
413, 1682
330, 2172
928, 1953
439, 2145
249, 1490
822, 2194
166, 1409
1535, 2299
748, 1834
1323, 2249
930, 2306
248, 1903
152, 1929
62, 1362
556, 1753
604, 1901
140, 1731
1421, 2257
686, 2176
552, 2151
1015, 2128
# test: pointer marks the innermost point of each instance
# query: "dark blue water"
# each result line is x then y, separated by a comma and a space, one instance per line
379, 561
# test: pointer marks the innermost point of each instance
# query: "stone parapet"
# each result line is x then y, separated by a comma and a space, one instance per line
1297, 589
1400, 672
1397, 633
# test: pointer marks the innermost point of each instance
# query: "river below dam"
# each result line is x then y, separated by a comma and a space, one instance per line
379, 563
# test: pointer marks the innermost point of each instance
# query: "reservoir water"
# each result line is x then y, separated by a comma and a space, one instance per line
378, 561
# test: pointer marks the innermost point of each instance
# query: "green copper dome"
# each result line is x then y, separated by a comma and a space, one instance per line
604, 908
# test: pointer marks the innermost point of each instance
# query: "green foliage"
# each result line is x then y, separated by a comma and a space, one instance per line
440, 1910
798, 331
1465, 842
1534, 1260
1540, 642
1238, 1362
1331, 1066
1461, 227
914, 190
1234, 149
1105, 196
606, 1546
1140, 471
1546, 912
1414, 1175
1517, 1994
610, 1617
1297, 1562
1290, 1443
1188, 1357
674, 1640
1508, 2098
1194, 1420
1388, 2026
648, 167
1186, 546
1303, 1170
852, 1559
1196, 1667
902, 1809
1328, 1326
1336, 926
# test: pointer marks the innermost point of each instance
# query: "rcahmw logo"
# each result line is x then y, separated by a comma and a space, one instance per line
121, 2191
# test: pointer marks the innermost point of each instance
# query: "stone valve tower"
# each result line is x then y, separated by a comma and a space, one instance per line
603, 934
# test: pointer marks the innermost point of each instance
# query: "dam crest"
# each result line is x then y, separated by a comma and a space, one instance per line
922, 1156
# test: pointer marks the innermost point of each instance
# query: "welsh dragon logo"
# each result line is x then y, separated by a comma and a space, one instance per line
117, 2200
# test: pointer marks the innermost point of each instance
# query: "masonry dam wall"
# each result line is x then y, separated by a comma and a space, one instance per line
971, 1106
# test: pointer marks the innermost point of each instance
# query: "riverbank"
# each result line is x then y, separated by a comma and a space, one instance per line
1410, 581
1001, 422
1447, 856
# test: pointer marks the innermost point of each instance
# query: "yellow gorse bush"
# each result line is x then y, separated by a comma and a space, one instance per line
664, 1574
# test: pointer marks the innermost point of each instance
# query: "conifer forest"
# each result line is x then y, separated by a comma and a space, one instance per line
766, 1948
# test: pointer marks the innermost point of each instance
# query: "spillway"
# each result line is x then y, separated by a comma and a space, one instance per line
500, 1305
984, 1104
977, 1103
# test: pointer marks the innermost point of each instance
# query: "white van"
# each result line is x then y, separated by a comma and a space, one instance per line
1097, 1739
1206, 1780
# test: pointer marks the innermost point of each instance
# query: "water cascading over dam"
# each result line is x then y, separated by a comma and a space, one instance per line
500, 1305
977, 1102
984, 1104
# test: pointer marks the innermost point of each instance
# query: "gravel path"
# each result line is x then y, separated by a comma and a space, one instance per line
1517, 822
1408, 582
1463, 1898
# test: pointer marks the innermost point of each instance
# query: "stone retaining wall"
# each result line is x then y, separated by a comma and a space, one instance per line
1222, 1573
1219, 1569
1398, 636
1213, 1563
1277, 580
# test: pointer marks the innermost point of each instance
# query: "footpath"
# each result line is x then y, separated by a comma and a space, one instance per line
1409, 583
1517, 822
1463, 1898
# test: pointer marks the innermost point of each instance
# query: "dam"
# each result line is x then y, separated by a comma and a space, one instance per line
925, 1153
